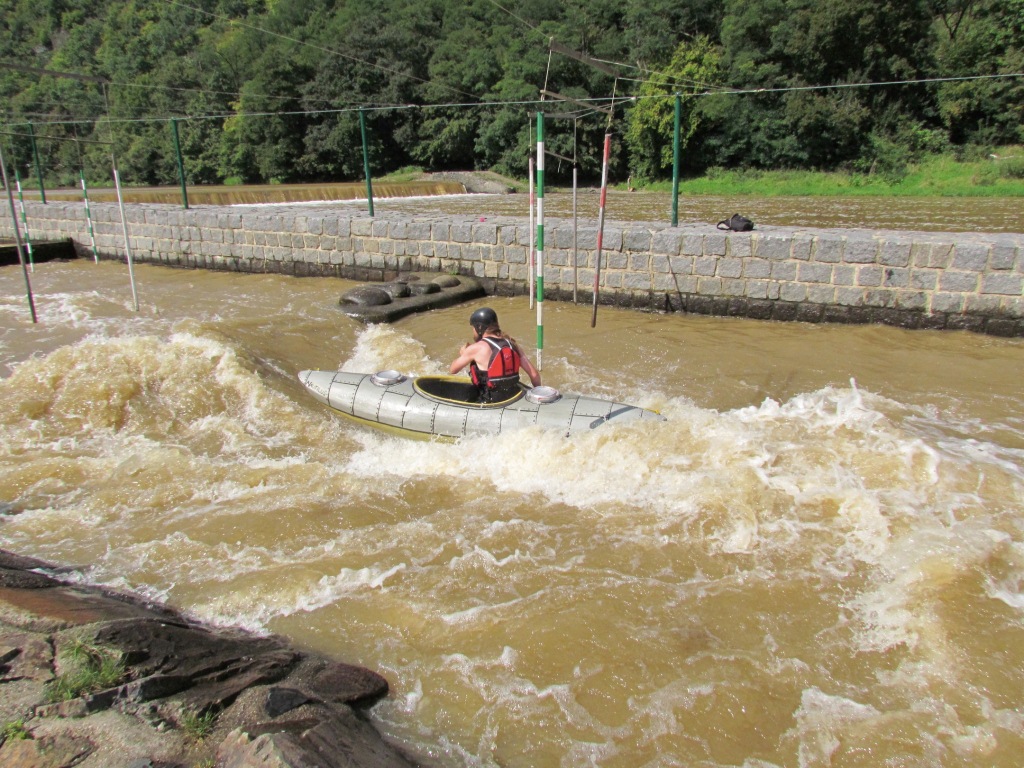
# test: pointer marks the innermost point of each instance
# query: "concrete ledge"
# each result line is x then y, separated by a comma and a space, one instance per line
451, 290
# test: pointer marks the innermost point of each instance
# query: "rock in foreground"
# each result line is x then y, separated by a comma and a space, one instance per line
90, 678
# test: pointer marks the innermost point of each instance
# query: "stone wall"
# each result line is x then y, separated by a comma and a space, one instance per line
916, 280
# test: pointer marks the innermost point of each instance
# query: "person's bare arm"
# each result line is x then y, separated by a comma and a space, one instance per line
467, 355
526, 365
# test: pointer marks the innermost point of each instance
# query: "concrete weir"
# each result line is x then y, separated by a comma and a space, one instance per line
966, 281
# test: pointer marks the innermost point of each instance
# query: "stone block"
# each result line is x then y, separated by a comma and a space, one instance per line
1002, 257
917, 300
801, 249
640, 262
1008, 284
849, 297
740, 247
972, 257
860, 251
879, 297
485, 234
821, 294
896, 277
715, 243
636, 240
773, 247
784, 270
793, 292
693, 245
756, 289
681, 264
710, 286
757, 268
958, 282
668, 242
947, 302
924, 279
894, 254
705, 266
729, 268
814, 273
844, 274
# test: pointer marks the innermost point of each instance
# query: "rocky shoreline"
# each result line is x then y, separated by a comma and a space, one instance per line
92, 678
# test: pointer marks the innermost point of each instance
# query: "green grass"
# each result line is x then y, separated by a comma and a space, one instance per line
13, 731
937, 176
401, 176
88, 669
198, 726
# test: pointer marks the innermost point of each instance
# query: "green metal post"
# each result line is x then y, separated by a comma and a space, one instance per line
17, 236
366, 161
24, 222
675, 164
39, 167
181, 165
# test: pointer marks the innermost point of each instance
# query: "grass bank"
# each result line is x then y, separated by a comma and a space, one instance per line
998, 175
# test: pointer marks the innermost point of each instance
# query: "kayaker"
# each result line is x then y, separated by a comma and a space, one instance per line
494, 359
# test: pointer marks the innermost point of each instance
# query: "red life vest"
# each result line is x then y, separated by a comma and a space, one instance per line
502, 367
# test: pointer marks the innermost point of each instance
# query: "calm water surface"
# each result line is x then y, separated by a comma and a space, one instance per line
816, 560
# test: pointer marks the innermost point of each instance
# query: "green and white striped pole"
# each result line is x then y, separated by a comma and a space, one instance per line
88, 218
540, 240
24, 222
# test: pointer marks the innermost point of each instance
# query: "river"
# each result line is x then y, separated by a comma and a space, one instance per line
817, 559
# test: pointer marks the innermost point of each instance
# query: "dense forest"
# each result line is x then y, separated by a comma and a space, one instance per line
274, 90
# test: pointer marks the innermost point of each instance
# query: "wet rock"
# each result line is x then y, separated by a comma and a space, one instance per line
25, 580
347, 684
281, 700
397, 290
422, 289
446, 281
366, 296
409, 293
281, 707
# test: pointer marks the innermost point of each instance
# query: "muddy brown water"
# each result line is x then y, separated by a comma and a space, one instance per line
816, 560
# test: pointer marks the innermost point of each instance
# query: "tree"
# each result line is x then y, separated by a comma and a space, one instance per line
694, 69
984, 37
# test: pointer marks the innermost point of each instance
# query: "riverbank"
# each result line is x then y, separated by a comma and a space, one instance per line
999, 174
92, 678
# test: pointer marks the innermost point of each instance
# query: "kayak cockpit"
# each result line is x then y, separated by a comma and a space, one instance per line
448, 389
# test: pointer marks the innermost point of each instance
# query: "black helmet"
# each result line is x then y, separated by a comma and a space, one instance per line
483, 318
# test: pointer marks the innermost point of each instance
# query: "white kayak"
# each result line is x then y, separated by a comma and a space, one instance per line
445, 407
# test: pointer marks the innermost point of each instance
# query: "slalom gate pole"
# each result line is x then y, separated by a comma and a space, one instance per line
24, 223
575, 249
88, 219
127, 245
540, 239
600, 224
533, 231
366, 162
675, 163
17, 236
181, 163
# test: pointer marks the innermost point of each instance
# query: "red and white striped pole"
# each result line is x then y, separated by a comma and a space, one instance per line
600, 224
540, 240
